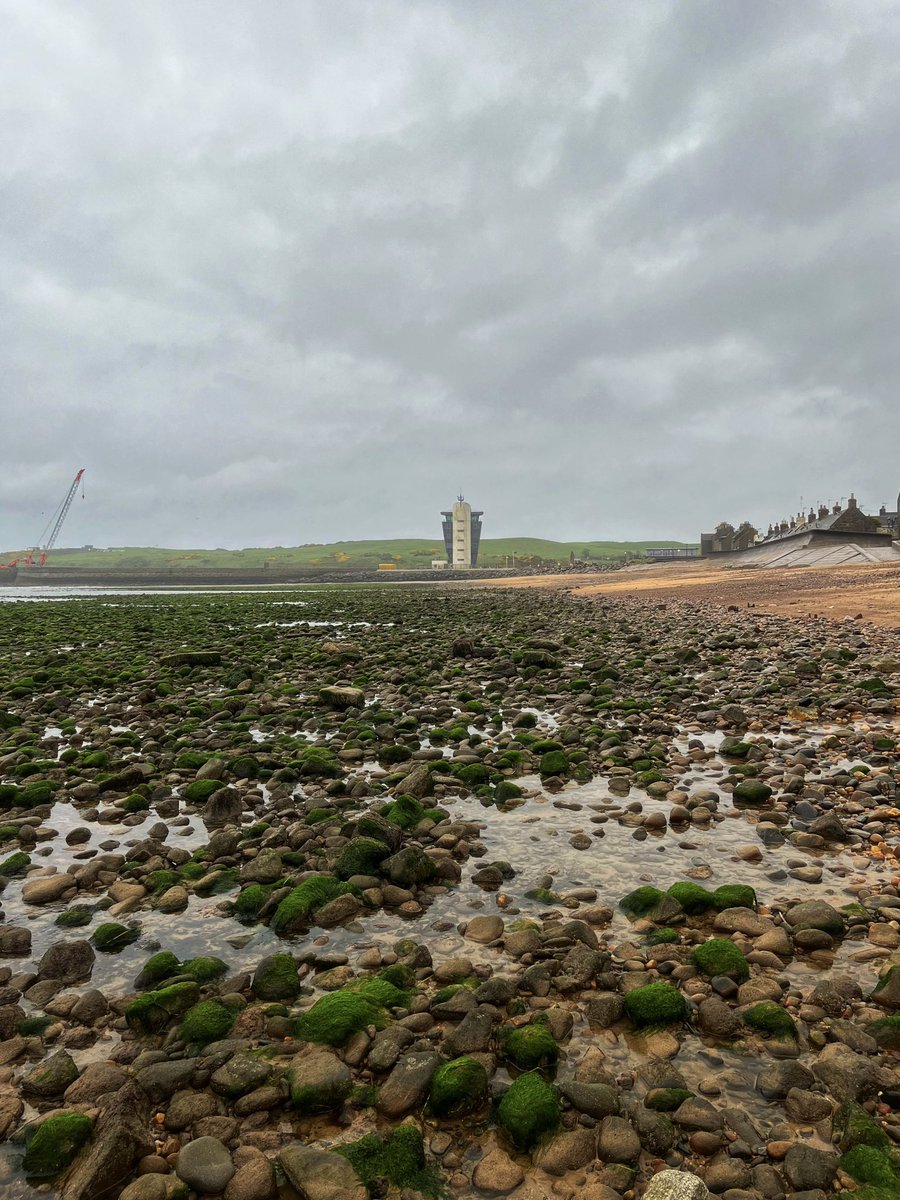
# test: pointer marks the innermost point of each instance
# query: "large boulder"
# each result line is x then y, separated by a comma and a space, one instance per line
320, 1174
68, 962
120, 1139
205, 1165
319, 1081
224, 807
342, 697
407, 1085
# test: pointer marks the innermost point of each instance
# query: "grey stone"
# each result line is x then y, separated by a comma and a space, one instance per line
806, 1167
676, 1185
407, 1085
205, 1165
120, 1139
497, 1174
67, 961
618, 1141
320, 1174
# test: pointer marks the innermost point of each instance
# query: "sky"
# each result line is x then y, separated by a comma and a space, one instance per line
287, 271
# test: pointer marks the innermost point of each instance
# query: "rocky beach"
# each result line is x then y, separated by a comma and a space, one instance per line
394, 890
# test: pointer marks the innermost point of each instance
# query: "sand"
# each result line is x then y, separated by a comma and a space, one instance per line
870, 593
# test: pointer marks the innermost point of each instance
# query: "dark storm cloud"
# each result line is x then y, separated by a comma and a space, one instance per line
295, 272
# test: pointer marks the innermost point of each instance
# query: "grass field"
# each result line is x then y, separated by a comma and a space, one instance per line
405, 552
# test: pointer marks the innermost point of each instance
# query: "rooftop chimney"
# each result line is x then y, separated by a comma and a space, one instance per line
851, 503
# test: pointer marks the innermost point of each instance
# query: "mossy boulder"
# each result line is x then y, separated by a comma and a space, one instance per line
506, 790
666, 1099
656, 1004
110, 937
771, 1019
153, 1011
16, 864
458, 1087
869, 1165
553, 763
641, 901
854, 1127
691, 896
409, 867
204, 969
529, 1046
752, 791
361, 856
250, 900
55, 1143
529, 1109
275, 978
719, 956
734, 895
394, 1159
296, 909
208, 1021
334, 1017
200, 790
158, 968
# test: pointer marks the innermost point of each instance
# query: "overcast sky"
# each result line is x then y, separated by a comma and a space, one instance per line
284, 272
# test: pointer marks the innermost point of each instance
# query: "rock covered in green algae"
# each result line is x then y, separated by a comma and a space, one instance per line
458, 1087
529, 1109
55, 1143
719, 956
656, 1004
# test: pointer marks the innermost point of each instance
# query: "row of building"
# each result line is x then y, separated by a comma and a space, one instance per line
836, 522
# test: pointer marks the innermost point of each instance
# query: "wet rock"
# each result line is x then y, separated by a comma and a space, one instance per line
320, 1174
67, 962
205, 1165
718, 1019
775, 1081
697, 1113
815, 914
51, 1077
676, 1185
342, 697
724, 1173
484, 929
497, 1174
407, 1085
319, 1081
846, 1075
120, 1139
253, 1179
618, 1142
223, 807
240, 1074
807, 1107
595, 1099
96, 1080
387, 1047
806, 1168
568, 1151
173, 900
14, 941
605, 1009
472, 1035
49, 889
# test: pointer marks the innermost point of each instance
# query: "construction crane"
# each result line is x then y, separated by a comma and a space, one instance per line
51, 530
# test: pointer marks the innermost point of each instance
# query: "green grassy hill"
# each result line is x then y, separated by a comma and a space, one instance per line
405, 552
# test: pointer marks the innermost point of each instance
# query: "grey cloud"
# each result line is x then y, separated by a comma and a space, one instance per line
296, 272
